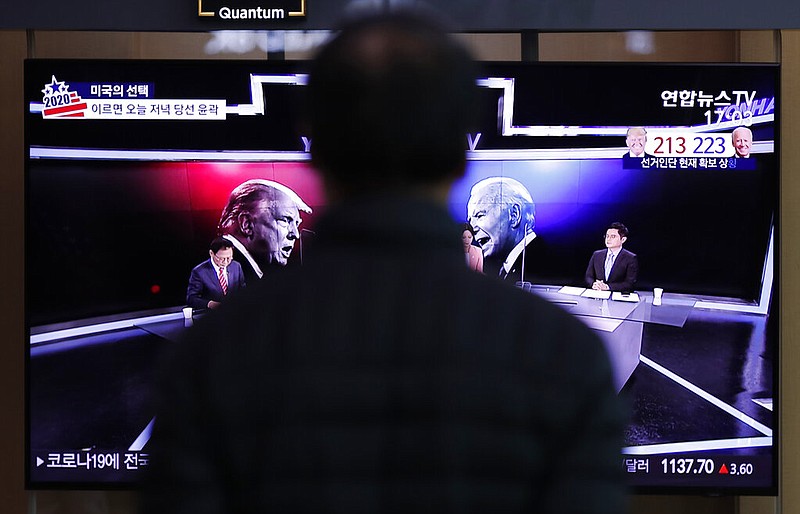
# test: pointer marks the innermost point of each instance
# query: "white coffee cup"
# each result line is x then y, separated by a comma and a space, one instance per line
657, 292
187, 313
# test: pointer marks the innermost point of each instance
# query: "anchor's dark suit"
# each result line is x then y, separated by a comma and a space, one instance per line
204, 284
623, 274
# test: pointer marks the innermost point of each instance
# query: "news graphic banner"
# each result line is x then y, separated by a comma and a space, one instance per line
121, 101
522, 112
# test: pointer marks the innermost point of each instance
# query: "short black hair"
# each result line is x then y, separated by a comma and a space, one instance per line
391, 100
622, 230
219, 243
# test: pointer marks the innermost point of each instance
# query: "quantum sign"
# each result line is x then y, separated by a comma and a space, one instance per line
251, 10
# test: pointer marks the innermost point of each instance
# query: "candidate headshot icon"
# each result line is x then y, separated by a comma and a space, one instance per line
742, 139
635, 139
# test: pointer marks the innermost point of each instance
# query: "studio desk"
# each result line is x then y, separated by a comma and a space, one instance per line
619, 322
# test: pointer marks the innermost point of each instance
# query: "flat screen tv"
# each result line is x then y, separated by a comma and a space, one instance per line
129, 165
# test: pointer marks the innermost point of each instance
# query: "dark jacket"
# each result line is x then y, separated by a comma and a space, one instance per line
385, 376
624, 272
204, 284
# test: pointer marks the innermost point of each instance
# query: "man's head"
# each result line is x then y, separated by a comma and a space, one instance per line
742, 139
265, 217
635, 138
391, 100
502, 212
616, 235
221, 252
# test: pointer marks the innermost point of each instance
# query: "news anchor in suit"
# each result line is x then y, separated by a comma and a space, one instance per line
613, 269
207, 279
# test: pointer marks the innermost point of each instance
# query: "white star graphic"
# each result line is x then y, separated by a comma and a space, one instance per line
54, 83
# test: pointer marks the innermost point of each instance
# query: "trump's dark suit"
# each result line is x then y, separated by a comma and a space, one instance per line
204, 284
623, 274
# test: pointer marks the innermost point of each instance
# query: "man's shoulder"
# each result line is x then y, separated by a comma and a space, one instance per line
551, 331
501, 296
496, 311
202, 266
627, 253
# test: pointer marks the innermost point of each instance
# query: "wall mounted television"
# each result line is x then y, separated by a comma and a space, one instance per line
129, 164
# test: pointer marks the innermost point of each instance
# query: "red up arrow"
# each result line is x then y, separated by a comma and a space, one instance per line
723, 470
